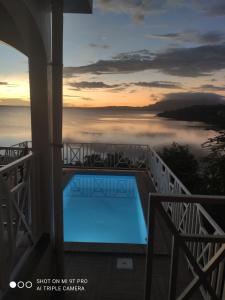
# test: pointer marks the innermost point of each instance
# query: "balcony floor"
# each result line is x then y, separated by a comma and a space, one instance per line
107, 282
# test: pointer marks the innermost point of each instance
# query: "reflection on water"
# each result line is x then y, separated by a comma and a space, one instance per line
130, 127
106, 126
14, 124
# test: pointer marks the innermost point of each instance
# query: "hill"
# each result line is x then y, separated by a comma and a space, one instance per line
213, 114
182, 100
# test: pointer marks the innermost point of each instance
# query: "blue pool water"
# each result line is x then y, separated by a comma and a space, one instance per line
103, 209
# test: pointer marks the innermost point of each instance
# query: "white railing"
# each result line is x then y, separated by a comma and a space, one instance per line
97, 155
10, 154
190, 219
17, 202
164, 180
207, 266
24, 144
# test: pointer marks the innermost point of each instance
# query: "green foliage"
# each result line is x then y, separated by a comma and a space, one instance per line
214, 174
184, 165
214, 169
207, 180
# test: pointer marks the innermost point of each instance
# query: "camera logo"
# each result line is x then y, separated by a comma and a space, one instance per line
20, 284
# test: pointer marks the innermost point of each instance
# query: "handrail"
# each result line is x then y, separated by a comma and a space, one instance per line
11, 148
185, 212
23, 144
103, 155
209, 262
9, 154
16, 163
153, 152
98, 143
18, 204
200, 199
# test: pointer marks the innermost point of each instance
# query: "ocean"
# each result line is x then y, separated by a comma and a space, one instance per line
109, 126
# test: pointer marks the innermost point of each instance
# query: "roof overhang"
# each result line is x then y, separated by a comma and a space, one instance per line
78, 6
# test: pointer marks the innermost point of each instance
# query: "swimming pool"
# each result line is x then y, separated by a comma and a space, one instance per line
103, 209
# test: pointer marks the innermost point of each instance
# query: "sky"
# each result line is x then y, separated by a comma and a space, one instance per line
132, 53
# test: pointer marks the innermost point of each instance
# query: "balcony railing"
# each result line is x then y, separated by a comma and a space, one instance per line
99, 155
18, 207
204, 251
189, 219
193, 229
10, 154
24, 144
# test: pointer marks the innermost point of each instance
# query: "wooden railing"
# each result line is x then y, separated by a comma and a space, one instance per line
204, 251
18, 207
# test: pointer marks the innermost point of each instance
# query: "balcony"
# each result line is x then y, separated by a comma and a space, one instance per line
185, 254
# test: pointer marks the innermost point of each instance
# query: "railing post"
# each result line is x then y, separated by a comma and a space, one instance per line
173, 269
150, 249
35, 196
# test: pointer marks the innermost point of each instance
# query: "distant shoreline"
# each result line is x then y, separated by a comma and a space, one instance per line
80, 107
213, 115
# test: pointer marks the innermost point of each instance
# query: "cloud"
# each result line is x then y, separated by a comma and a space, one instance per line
119, 87
92, 133
135, 55
4, 83
194, 97
92, 85
188, 62
207, 38
93, 45
87, 99
137, 9
159, 84
212, 87
122, 63
156, 134
214, 9
134, 8
14, 102
72, 96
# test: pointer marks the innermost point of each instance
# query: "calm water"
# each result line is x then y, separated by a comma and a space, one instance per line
106, 126
103, 209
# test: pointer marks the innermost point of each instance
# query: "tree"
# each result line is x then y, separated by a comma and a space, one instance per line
214, 170
214, 174
184, 165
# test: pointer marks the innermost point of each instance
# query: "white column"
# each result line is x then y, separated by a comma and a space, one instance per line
41, 137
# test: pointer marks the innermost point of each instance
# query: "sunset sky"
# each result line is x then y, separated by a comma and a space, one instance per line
133, 52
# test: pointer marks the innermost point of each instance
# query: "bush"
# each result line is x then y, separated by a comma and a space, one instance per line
184, 165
